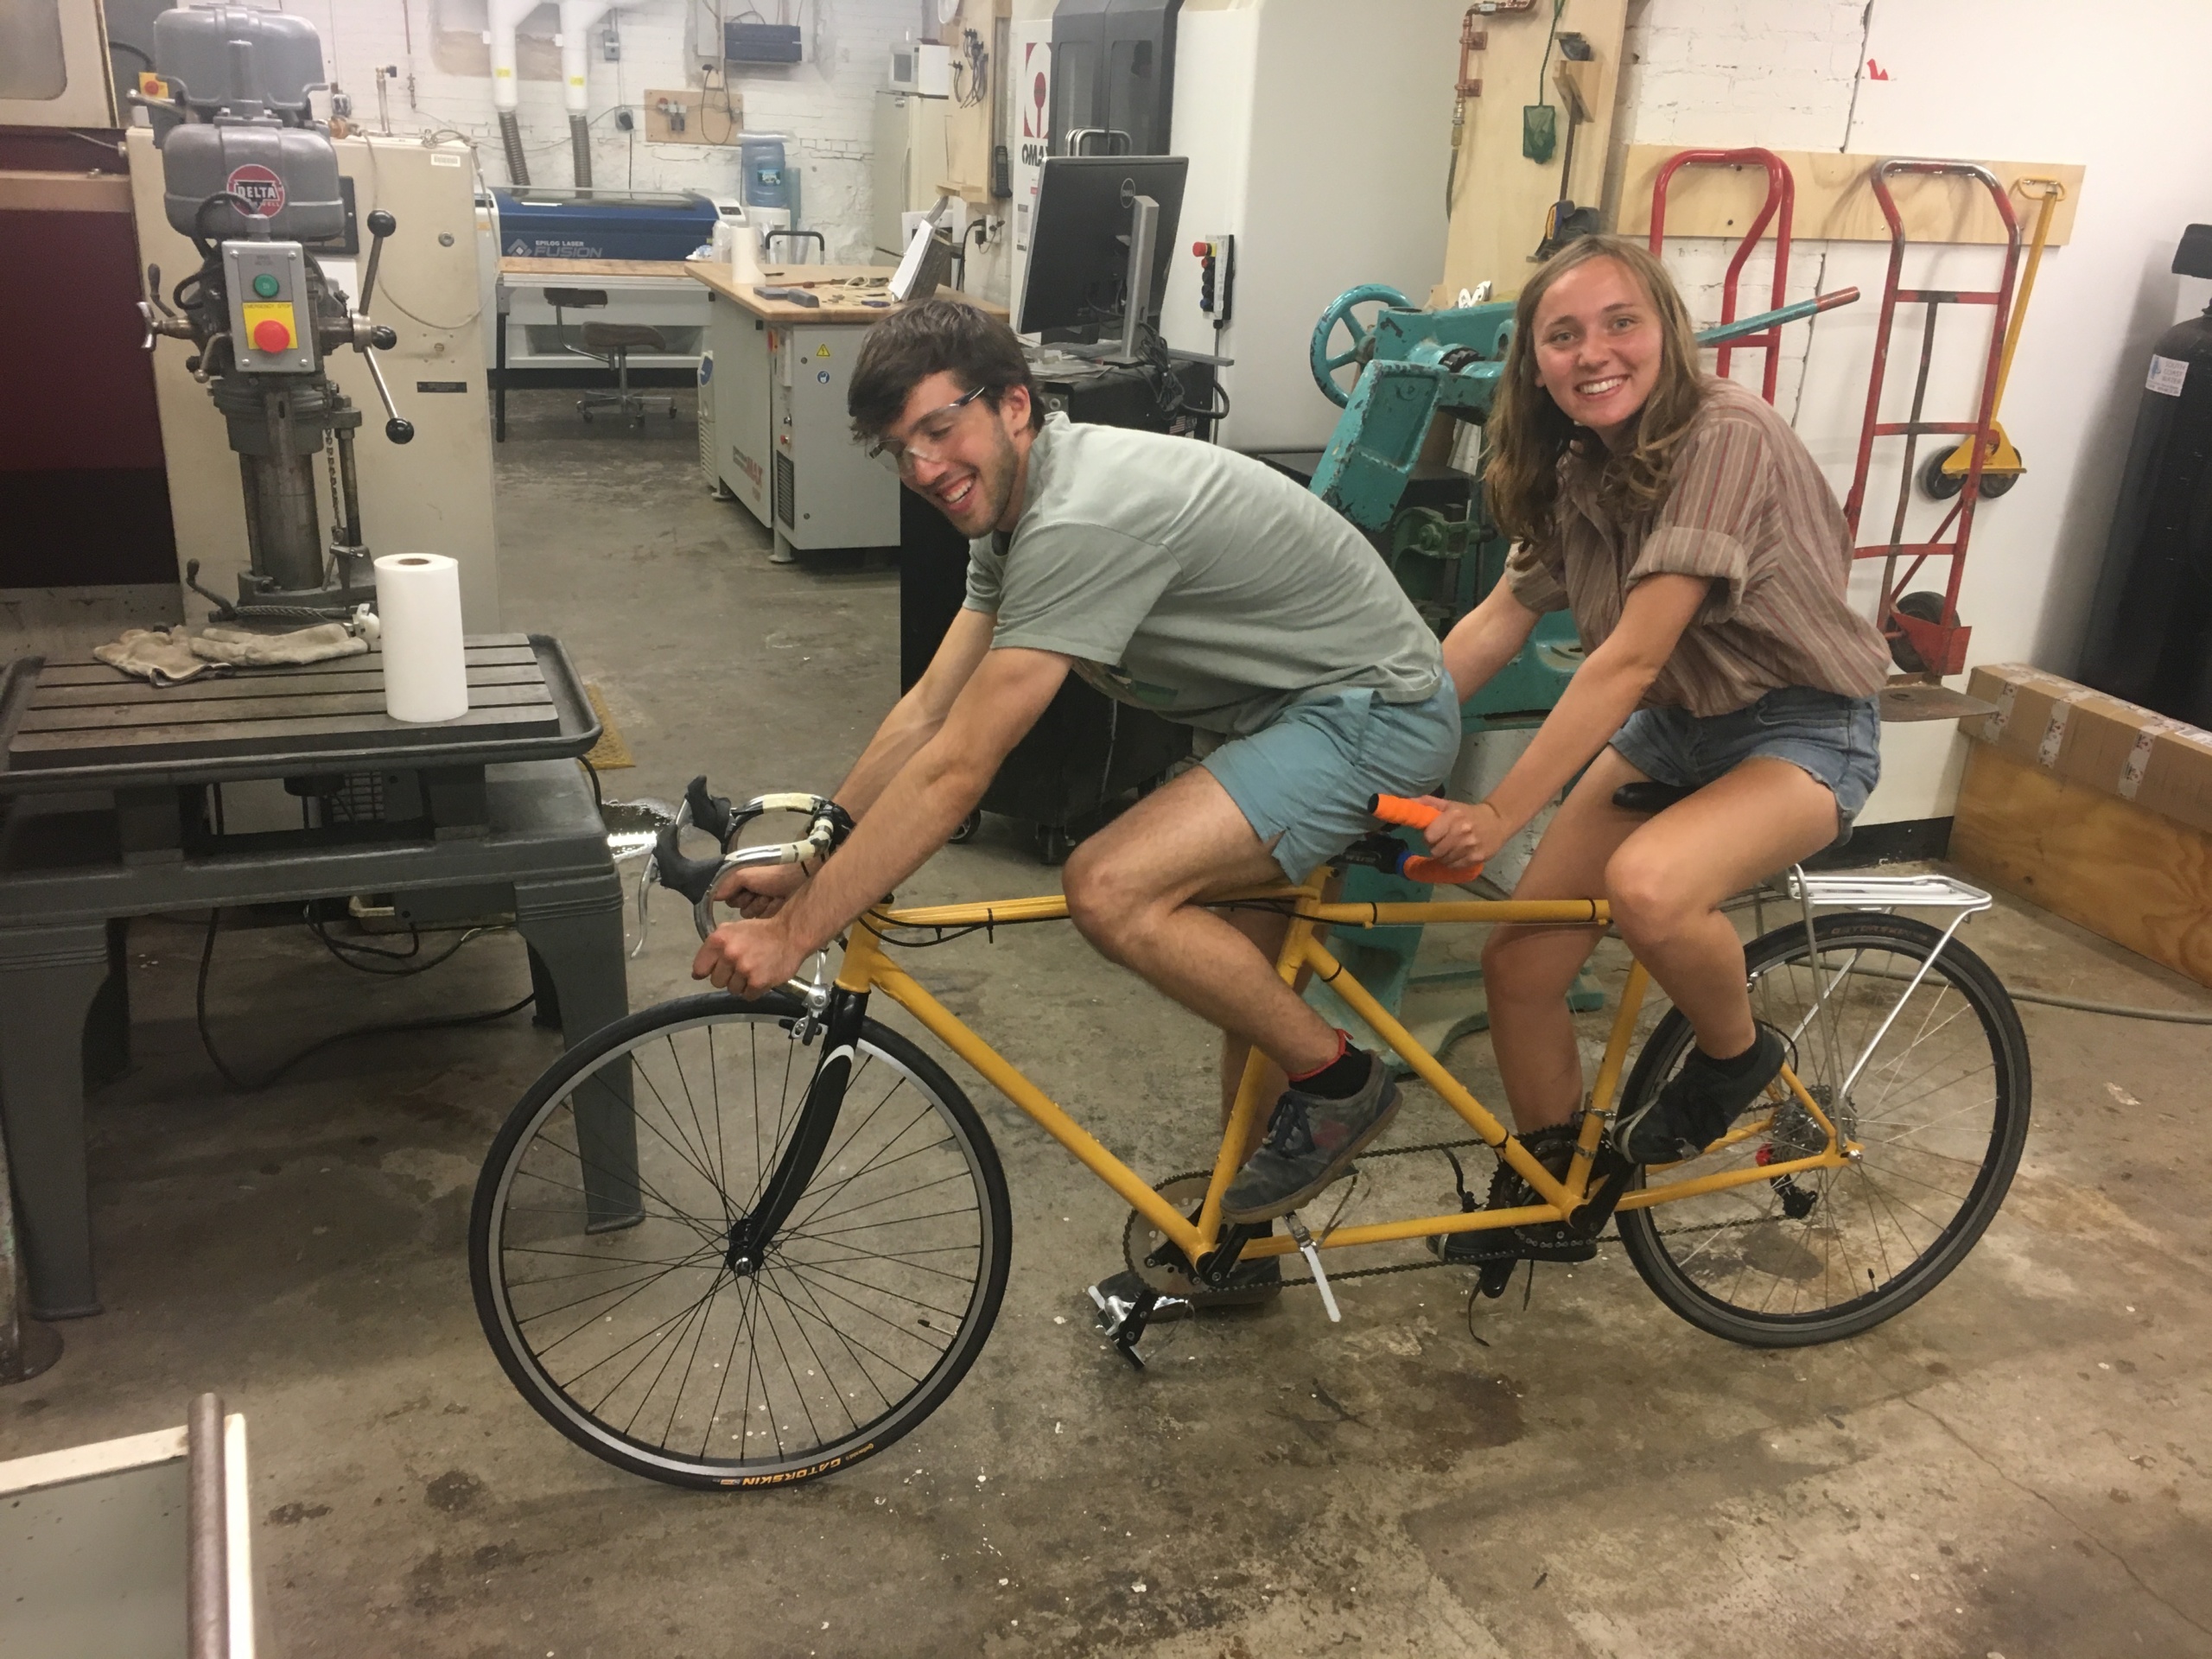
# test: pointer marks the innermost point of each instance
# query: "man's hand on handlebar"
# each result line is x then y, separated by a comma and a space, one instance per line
1463, 834
759, 893
747, 958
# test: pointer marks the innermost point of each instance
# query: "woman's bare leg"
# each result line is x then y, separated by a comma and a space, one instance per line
1528, 968
1666, 881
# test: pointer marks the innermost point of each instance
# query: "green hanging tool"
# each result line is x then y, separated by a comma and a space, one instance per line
1540, 121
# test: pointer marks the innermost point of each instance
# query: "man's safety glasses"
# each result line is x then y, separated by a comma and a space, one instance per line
929, 432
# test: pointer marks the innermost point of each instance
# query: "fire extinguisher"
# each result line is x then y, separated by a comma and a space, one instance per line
2150, 637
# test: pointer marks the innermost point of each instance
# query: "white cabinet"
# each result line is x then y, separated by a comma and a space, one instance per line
739, 342
783, 438
910, 162
827, 492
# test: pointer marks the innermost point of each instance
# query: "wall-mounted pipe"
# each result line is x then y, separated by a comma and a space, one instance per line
578, 18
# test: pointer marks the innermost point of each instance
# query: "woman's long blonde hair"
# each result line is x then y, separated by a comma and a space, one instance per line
1528, 435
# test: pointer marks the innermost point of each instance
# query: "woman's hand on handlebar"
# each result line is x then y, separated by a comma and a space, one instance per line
759, 892
1463, 834
747, 958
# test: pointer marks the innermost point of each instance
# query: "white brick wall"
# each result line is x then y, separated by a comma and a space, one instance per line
1777, 72
826, 105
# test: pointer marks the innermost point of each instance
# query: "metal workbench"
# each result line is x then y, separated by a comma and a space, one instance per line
110, 809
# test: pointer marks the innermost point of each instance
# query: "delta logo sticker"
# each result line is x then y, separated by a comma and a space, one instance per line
258, 186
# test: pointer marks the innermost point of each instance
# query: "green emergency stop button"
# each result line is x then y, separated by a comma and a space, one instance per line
265, 285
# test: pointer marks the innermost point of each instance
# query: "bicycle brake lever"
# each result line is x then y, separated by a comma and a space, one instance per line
711, 812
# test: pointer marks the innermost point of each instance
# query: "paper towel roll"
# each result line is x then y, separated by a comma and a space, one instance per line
425, 672
745, 255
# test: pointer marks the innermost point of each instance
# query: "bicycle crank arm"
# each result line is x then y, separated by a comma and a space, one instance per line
1609, 1181
751, 1235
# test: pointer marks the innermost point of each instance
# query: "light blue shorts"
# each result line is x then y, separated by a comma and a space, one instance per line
1303, 780
1837, 738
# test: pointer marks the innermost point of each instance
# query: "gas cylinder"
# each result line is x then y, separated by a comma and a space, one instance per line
2150, 637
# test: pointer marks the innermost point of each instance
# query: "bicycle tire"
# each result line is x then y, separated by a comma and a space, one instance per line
1721, 1261
855, 1303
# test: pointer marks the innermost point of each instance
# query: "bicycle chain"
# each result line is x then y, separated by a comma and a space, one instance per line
1425, 1267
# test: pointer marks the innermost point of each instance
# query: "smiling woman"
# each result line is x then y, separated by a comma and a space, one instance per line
1705, 560
1602, 343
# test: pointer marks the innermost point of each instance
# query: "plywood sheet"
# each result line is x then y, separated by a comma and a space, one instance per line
1835, 199
713, 115
1499, 196
2134, 876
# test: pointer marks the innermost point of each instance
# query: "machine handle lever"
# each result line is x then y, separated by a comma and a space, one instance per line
398, 430
381, 225
155, 311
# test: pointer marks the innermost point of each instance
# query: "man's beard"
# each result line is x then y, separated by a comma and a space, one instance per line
995, 485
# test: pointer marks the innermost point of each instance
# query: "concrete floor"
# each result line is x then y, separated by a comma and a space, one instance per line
2015, 1467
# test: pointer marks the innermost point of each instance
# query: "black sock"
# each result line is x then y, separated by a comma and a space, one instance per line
1340, 1079
1736, 1066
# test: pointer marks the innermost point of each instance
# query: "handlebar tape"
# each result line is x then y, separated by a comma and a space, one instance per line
1418, 814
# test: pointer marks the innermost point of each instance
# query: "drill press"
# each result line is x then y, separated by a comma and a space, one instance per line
251, 177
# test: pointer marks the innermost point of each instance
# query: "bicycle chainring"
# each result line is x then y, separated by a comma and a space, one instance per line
1140, 1240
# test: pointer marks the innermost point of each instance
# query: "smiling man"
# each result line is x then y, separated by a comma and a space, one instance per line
1179, 577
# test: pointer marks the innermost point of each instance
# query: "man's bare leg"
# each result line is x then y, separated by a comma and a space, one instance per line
1129, 889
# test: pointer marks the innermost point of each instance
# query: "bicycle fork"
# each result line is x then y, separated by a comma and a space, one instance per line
750, 1234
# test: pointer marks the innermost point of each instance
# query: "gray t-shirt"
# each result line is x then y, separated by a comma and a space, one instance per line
1196, 582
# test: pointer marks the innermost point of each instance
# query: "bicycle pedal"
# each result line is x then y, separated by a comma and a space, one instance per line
1123, 1322
1312, 1255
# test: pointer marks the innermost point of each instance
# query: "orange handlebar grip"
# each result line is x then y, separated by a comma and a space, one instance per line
1418, 814
1396, 809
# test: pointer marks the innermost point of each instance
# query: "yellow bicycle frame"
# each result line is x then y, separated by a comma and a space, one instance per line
867, 967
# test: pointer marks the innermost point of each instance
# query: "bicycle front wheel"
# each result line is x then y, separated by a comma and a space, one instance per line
599, 1247
1930, 1078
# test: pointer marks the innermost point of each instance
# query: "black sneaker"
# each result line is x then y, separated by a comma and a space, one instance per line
1698, 1105
1311, 1142
1548, 1241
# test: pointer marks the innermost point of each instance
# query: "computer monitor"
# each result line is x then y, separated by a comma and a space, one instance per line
1076, 286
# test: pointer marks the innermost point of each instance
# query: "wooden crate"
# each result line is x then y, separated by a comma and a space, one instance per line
2135, 876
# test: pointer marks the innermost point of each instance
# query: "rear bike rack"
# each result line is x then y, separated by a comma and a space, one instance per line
1883, 892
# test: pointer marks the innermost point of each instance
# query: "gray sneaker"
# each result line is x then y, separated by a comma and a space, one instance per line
1311, 1143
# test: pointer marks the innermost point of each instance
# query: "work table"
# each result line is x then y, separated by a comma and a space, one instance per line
837, 308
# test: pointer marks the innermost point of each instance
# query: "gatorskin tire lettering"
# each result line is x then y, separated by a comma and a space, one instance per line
826, 1466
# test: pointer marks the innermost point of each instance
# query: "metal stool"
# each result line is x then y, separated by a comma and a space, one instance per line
610, 344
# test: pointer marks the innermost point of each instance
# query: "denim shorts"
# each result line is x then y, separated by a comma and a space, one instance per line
1837, 738
1306, 776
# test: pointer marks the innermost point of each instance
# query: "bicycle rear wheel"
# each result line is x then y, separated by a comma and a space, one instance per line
603, 1275
1938, 1098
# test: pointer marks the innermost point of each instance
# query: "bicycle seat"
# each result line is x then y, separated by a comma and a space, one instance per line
1650, 797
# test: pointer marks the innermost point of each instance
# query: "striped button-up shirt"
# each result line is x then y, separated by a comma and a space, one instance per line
1751, 512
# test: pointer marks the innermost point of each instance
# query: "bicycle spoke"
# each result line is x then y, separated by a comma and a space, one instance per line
618, 1315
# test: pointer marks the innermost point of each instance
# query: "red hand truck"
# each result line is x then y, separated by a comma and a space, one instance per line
1780, 200
1936, 644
